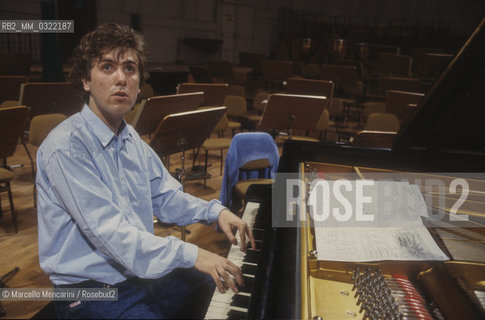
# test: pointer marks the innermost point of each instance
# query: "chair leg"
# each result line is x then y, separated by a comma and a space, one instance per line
35, 195
205, 167
222, 156
30, 158
10, 198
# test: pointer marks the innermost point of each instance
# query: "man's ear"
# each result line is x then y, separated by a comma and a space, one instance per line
86, 85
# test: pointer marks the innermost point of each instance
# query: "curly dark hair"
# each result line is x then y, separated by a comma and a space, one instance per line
94, 44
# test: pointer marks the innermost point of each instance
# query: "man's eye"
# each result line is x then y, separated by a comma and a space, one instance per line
130, 68
107, 67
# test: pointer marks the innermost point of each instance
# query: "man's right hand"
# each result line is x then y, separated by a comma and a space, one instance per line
225, 273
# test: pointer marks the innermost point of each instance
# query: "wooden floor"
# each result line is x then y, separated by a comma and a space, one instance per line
21, 249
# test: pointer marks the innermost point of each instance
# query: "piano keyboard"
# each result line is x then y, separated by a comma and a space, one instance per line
232, 305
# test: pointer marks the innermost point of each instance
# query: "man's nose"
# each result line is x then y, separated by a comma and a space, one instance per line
120, 76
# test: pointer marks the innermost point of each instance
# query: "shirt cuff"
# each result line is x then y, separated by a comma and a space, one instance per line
189, 256
215, 209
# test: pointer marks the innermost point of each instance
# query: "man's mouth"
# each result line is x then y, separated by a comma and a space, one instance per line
120, 94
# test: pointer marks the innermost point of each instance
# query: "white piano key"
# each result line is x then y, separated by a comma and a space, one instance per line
220, 303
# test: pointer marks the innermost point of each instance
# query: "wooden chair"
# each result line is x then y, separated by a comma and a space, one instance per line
398, 83
252, 159
399, 103
220, 71
214, 93
389, 64
50, 97
216, 144
346, 79
12, 122
373, 139
10, 88
382, 122
39, 128
275, 72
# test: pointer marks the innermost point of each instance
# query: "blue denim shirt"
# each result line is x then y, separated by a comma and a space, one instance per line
97, 195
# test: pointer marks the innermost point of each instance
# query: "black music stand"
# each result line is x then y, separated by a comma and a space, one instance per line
290, 111
182, 131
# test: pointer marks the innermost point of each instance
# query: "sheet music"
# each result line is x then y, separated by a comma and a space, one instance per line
397, 234
375, 244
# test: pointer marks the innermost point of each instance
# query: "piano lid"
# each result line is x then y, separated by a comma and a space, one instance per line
451, 117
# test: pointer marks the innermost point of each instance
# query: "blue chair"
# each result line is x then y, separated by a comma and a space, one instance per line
252, 158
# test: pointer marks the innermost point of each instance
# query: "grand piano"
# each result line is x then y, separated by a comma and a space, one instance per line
444, 138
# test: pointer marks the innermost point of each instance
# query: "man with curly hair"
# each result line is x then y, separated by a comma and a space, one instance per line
99, 186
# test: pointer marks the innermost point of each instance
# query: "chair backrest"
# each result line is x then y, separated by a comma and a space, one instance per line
220, 69
50, 97
10, 87
236, 105
12, 122
341, 75
392, 64
156, 108
277, 71
374, 139
246, 147
200, 74
214, 93
400, 84
382, 122
260, 101
41, 125
397, 102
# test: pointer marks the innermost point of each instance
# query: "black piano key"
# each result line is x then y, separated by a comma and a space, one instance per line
258, 234
240, 301
251, 256
248, 285
249, 269
233, 314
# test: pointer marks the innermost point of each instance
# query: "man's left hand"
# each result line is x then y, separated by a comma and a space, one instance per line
228, 222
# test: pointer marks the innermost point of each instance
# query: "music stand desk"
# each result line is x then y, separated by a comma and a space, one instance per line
291, 111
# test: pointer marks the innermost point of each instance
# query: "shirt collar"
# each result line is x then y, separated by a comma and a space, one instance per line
100, 129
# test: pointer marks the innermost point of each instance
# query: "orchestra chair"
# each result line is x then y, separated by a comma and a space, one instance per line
214, 93
216, 144
389, 64
398, 83
200, 74
252, 158
259, 105
10, 89
310, 71
39, 128
237, 110
373, 107
402, 103
134, 112
320, 132
275, 73
50, 97
146, 91
348, 83
373, 139
220, 71
12, 122
382, 122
